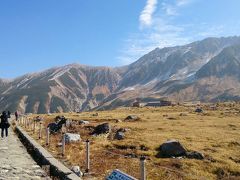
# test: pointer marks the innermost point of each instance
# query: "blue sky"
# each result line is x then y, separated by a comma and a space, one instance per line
36, 35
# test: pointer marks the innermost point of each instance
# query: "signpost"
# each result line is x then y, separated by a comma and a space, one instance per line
119, 175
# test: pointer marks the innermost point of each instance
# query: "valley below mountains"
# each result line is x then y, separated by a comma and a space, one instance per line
206, 71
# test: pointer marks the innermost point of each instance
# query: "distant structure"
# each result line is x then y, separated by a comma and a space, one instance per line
166, 103
192, 103
160, 103
154, 104
138, 104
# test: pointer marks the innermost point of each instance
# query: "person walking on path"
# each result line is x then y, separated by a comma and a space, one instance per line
4, 124
9, 114
16, 115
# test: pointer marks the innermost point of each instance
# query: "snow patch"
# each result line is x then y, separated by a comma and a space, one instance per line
59, 73
22, 82
129, 89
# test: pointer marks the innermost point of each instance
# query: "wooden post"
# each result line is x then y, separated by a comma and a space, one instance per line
63, 144
47, 136
34, 126
25, 122
40, 130
87, 156
142, 168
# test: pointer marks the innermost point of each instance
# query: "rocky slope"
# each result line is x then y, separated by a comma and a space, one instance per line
206, 70
69, 88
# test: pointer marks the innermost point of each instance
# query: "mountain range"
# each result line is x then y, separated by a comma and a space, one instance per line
207, 71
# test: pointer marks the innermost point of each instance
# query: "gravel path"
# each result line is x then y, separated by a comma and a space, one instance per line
15, 162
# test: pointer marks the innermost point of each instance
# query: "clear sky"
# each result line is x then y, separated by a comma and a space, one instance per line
38, 34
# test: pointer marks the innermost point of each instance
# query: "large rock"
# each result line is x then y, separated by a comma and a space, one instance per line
132, 118
38, 119
82, 122
119, 135
77, 171
172, 148
69, 137
199, 110
194, 155
102, 129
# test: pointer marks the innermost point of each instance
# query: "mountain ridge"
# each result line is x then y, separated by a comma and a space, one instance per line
180, 73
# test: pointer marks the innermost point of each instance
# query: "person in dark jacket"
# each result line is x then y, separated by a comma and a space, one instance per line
9, 114
4, 124
16, 115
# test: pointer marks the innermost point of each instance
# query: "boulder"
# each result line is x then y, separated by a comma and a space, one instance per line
171, 148
95, 114
70, 137
194, 155
123, 130
82, 122
182, 114
102, 129
199, 110
53, 128
119, 135
132, 118
68, 123
118, 121
38, 119
77, 171
60, 118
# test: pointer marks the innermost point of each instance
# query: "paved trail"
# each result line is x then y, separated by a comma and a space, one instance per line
15, 162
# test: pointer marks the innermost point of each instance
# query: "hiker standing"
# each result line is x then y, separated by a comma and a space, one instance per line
16, 115
4, 124
9, 114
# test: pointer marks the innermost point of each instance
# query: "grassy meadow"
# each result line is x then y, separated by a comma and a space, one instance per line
215, 133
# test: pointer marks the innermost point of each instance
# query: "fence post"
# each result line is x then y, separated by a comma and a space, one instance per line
47, 136
142, 168
40, 130
34, 126
88, 156
63, 144
25, 122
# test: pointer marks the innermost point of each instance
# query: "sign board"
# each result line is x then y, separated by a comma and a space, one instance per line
119, 175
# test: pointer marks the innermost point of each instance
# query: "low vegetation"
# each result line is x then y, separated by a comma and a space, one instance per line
214, 132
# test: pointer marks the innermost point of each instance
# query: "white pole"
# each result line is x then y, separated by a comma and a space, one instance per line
142, 168
88, 155
40, 130
63, 144
47, 136
32, 122
25, 122
34, 126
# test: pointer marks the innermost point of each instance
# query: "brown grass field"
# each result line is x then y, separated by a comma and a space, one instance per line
215, 133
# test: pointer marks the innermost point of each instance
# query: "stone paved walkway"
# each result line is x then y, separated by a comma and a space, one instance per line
15, 162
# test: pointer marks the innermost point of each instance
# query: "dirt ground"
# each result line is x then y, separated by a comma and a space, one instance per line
215, 133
